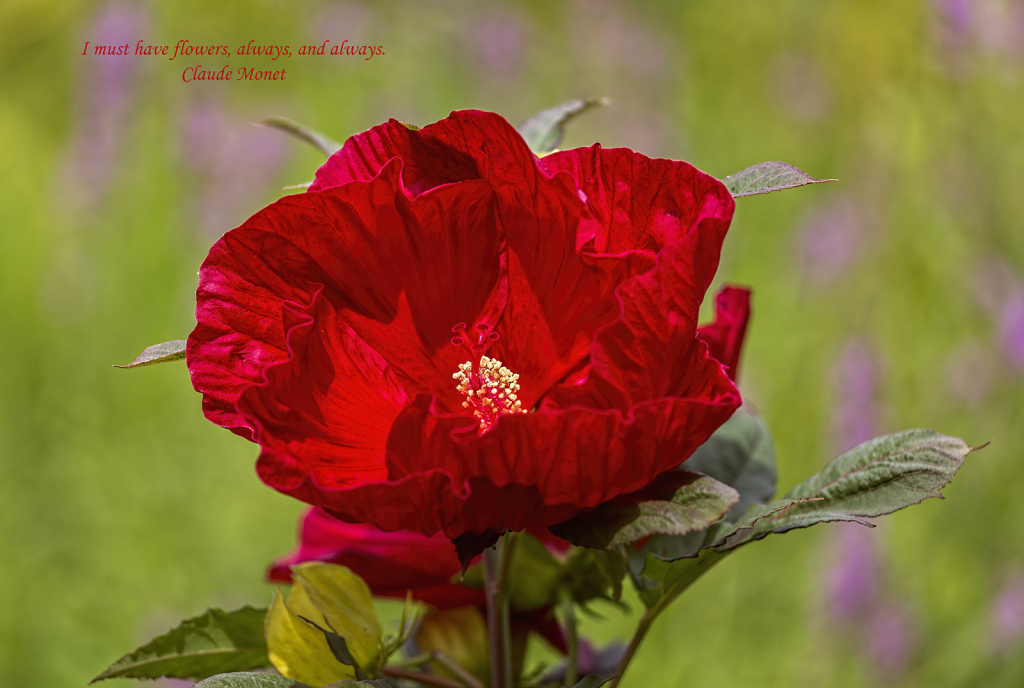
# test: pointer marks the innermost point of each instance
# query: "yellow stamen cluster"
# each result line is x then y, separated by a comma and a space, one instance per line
491, 392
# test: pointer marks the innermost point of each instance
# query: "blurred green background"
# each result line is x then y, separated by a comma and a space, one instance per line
892, 299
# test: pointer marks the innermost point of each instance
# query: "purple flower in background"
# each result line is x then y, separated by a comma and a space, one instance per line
963, 27
236, 163
1008, 614
831, 238
889, 640
958, 16
851, 581
106, 96
1011, 329
855, 377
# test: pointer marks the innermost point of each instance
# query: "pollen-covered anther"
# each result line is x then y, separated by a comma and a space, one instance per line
491, 392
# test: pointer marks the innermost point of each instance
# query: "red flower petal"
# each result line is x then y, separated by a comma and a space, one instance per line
466, 145
332, 403
390, 563
639, 202
557, 297
649, 352
400, 272
725, 335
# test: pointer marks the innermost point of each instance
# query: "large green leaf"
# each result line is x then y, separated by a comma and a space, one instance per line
544, 131
691, 503
875, 478
252, 680
158, 353
322, 142
767, 177
214, 643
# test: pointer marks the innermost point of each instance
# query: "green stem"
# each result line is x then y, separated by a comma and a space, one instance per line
508, 550
456, 668
641, 630
572, 640
495, 625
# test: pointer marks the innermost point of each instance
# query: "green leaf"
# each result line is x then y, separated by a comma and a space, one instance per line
692, 503
544, 131
158, 353
872, 479
875, 478
250, 680
741, 455
768, 177
594, 681
214, 643
323, 143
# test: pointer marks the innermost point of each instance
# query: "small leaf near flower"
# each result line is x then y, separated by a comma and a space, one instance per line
213, 643
544, 131
159, 353
767, 177
323, 143
344, 602
688, 502
296, 649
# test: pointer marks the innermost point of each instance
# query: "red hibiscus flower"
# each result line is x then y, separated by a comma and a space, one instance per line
448, 333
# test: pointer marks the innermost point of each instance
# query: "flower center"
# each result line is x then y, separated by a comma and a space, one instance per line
489, 387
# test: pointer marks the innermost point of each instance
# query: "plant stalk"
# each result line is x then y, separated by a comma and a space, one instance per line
641, 630
496, 630
572, 638
456, 668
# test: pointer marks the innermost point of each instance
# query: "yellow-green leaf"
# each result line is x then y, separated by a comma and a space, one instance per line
345, 603
296, 649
